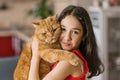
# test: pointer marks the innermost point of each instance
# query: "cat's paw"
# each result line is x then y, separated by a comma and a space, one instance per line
75, 60
50, 60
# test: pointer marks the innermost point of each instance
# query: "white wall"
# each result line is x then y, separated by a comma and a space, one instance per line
61, 4
17, 12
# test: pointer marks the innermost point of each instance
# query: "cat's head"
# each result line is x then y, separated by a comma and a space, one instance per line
47, 30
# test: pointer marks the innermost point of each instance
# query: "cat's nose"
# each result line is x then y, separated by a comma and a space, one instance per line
53, 40
49, 40
50, 35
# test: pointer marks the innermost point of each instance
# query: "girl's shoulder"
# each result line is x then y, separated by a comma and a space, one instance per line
85, 63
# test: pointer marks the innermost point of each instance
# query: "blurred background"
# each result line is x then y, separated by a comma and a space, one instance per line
16, 29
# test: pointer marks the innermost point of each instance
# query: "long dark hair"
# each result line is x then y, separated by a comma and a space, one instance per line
88, 46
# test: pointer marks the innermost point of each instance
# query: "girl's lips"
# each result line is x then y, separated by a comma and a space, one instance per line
66, 44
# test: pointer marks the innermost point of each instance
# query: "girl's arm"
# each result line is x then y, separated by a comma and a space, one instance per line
34, 69
60, 72
34, 66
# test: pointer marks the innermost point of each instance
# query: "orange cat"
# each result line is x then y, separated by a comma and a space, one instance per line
47, 32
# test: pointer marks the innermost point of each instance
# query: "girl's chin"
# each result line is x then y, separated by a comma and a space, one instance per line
65, 48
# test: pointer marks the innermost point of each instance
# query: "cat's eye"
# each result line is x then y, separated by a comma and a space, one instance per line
43, 32
54, 29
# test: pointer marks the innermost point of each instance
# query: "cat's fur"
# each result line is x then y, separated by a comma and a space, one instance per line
47, 33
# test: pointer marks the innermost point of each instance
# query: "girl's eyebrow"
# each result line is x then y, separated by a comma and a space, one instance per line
62, 25
77, 29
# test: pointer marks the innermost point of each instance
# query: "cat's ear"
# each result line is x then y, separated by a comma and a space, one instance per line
55, 16
35, 24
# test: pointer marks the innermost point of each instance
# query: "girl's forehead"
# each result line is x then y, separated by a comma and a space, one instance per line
71, 21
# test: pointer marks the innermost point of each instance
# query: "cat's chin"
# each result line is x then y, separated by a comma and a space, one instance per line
51, 42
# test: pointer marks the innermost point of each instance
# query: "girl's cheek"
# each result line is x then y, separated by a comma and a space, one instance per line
61, 36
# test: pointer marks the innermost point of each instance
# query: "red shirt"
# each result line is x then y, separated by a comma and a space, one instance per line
83, 76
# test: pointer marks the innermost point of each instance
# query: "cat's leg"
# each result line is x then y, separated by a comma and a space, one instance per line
22, 69
53, 55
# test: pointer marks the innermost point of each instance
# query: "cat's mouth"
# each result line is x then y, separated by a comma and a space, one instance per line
52, 41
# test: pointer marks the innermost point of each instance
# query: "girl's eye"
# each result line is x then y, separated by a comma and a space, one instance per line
63, 29
75, 32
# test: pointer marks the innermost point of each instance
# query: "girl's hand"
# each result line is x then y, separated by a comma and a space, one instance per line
34, 66
35, 48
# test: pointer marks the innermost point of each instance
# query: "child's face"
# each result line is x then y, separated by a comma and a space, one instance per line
72, 33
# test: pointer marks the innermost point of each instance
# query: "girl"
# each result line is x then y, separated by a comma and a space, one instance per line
77, 36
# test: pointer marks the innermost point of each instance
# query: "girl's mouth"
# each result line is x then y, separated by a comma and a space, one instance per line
66, 44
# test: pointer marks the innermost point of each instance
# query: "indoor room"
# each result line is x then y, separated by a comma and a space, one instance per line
16, 29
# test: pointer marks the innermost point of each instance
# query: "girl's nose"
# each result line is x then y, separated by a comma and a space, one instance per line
67, 36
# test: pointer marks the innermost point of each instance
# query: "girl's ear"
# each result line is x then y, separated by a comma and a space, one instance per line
35, 24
